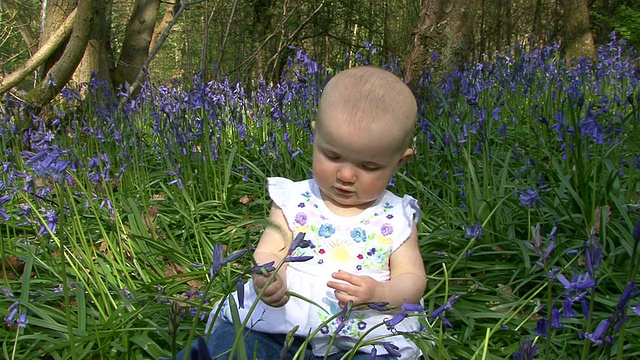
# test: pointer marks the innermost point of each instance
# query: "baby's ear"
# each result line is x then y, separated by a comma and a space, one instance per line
408, 154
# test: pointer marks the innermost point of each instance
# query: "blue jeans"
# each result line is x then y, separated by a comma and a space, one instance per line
268, 346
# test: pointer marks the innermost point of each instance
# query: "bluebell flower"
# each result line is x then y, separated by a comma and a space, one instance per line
378, 306
374, 353
578, 283
636, 232
10, 319
636, 309
219, 260
567, 309
391, 348
530, 198
597, 337
4, 215
263, 269
410, 308
240, 291
593, 254
542, 327
555, 319
22, 321
623, 302
298, 258
6, 292
395, 320
527, 351
447, 306
474, 231
297, 241
51, 224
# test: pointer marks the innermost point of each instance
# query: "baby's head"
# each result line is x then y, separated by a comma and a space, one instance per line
364, 125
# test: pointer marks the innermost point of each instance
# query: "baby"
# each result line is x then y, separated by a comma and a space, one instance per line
361, 239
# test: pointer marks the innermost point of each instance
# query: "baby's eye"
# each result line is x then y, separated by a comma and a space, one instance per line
332, 156
370, 167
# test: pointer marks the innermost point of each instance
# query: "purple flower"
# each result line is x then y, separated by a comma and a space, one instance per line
623, 302
6, 292
542, 327
51, 223
636, 309
391, 349
22, 321
297, 241
593, 252
567, 309
597, 336
578, 283
447, 306
263, 269
219, 260
555, 319
301, 218
395, 320
378, 306
298, 258
240, 291
530, 198
386, 229
636, 232
527, 351
408, 308
474, 231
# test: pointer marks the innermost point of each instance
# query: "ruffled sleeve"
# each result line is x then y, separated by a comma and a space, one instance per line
280, 190
410, 215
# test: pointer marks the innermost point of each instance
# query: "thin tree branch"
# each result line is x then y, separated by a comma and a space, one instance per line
226, 34
41, 55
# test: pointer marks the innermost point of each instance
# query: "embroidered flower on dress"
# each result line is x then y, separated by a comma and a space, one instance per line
386, 229
326, 230
301, 218
359, 235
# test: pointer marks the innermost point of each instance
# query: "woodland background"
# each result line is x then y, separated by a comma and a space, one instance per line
242, 40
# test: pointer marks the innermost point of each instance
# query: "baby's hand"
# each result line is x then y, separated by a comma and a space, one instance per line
360, 289
275, 294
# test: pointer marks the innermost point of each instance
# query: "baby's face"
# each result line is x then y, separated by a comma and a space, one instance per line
353, 167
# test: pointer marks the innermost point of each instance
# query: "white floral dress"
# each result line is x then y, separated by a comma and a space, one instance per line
361, 245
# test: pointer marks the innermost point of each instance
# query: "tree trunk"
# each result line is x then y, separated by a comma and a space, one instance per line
61, 72
443, 28
96, 61
137, 38
55, 12
578, 40
262, 28
170, 12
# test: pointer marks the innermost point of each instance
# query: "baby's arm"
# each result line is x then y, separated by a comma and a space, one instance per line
408, 279
273, 246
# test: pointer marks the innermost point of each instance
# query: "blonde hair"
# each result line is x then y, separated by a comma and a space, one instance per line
370, 96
